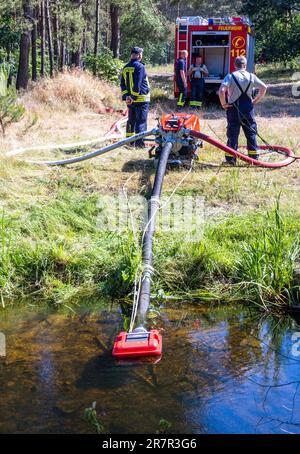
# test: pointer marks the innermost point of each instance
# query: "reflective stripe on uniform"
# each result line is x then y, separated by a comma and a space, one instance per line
129, 70
143, 98
196, 103
134, 93
180, 102
124, 92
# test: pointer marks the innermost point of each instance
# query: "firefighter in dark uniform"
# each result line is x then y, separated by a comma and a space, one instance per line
181, 80
236, 98
197, 73
136, 92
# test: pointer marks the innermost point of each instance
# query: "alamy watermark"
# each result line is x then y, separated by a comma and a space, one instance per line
2, 345
296, 344
176, 215
296, 85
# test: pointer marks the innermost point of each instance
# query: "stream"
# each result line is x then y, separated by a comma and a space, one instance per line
223, 370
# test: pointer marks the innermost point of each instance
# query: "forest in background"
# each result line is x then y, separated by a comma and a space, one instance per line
41, 37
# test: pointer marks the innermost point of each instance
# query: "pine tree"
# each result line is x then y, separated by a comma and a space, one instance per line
23, 74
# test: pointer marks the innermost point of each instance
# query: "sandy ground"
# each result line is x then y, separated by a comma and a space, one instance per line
225, 190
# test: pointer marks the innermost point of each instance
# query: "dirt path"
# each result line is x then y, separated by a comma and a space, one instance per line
225, 190
278, 102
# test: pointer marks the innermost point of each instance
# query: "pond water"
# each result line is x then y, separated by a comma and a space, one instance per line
223, 370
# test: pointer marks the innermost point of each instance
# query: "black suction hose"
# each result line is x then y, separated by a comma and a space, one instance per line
145, 290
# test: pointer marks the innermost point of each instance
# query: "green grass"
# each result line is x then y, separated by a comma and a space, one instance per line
249, 258
274, 73
160, 69
159, 95
54, 252
271, 72
268, 262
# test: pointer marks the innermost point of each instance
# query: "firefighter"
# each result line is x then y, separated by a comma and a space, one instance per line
136, 92
197, 72
181, 80
236, 98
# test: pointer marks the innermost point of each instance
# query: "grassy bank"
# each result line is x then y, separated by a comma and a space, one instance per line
53, 250
57, 252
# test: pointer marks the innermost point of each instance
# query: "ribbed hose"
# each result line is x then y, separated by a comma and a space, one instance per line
95, 153
154, 203
271, 165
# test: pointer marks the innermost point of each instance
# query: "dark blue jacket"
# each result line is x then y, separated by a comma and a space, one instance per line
134, 82
180, 65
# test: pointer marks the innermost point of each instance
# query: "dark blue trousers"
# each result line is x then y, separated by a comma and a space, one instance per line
245, 119
198, 86
137, 120
182, 94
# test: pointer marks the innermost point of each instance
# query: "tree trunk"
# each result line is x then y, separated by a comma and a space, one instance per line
97, 28
97, 31
75, 58
84, 43
62, 54
33, 49
10, 75
115, 30
50, 40
23, 75
56, 25
43, 36
76, 54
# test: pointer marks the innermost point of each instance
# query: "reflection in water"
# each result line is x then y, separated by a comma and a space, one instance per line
223, 371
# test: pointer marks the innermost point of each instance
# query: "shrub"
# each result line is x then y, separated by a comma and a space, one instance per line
10, 110
105, 66
73, 90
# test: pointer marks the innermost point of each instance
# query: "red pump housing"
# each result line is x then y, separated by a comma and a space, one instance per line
134, 345
175, 121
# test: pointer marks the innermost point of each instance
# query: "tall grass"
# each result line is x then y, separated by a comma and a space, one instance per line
267, 263
5, 267
276, 72
74, 90
250, 258
55, 252
126, 267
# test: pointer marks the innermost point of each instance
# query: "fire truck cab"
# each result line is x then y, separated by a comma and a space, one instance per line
219, 41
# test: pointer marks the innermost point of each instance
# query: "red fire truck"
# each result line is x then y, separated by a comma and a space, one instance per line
219, 41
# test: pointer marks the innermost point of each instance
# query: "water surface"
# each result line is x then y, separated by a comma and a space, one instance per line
223, 370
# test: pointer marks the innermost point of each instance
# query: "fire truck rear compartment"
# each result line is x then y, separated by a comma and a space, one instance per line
214, 48
219, 41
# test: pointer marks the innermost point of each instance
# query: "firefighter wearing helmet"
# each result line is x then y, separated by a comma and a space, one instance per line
236, 98
136, 93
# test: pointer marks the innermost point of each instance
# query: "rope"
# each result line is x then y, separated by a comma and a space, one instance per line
138, 275
147, 268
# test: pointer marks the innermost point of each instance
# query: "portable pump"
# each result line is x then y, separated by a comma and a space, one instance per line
176, 127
